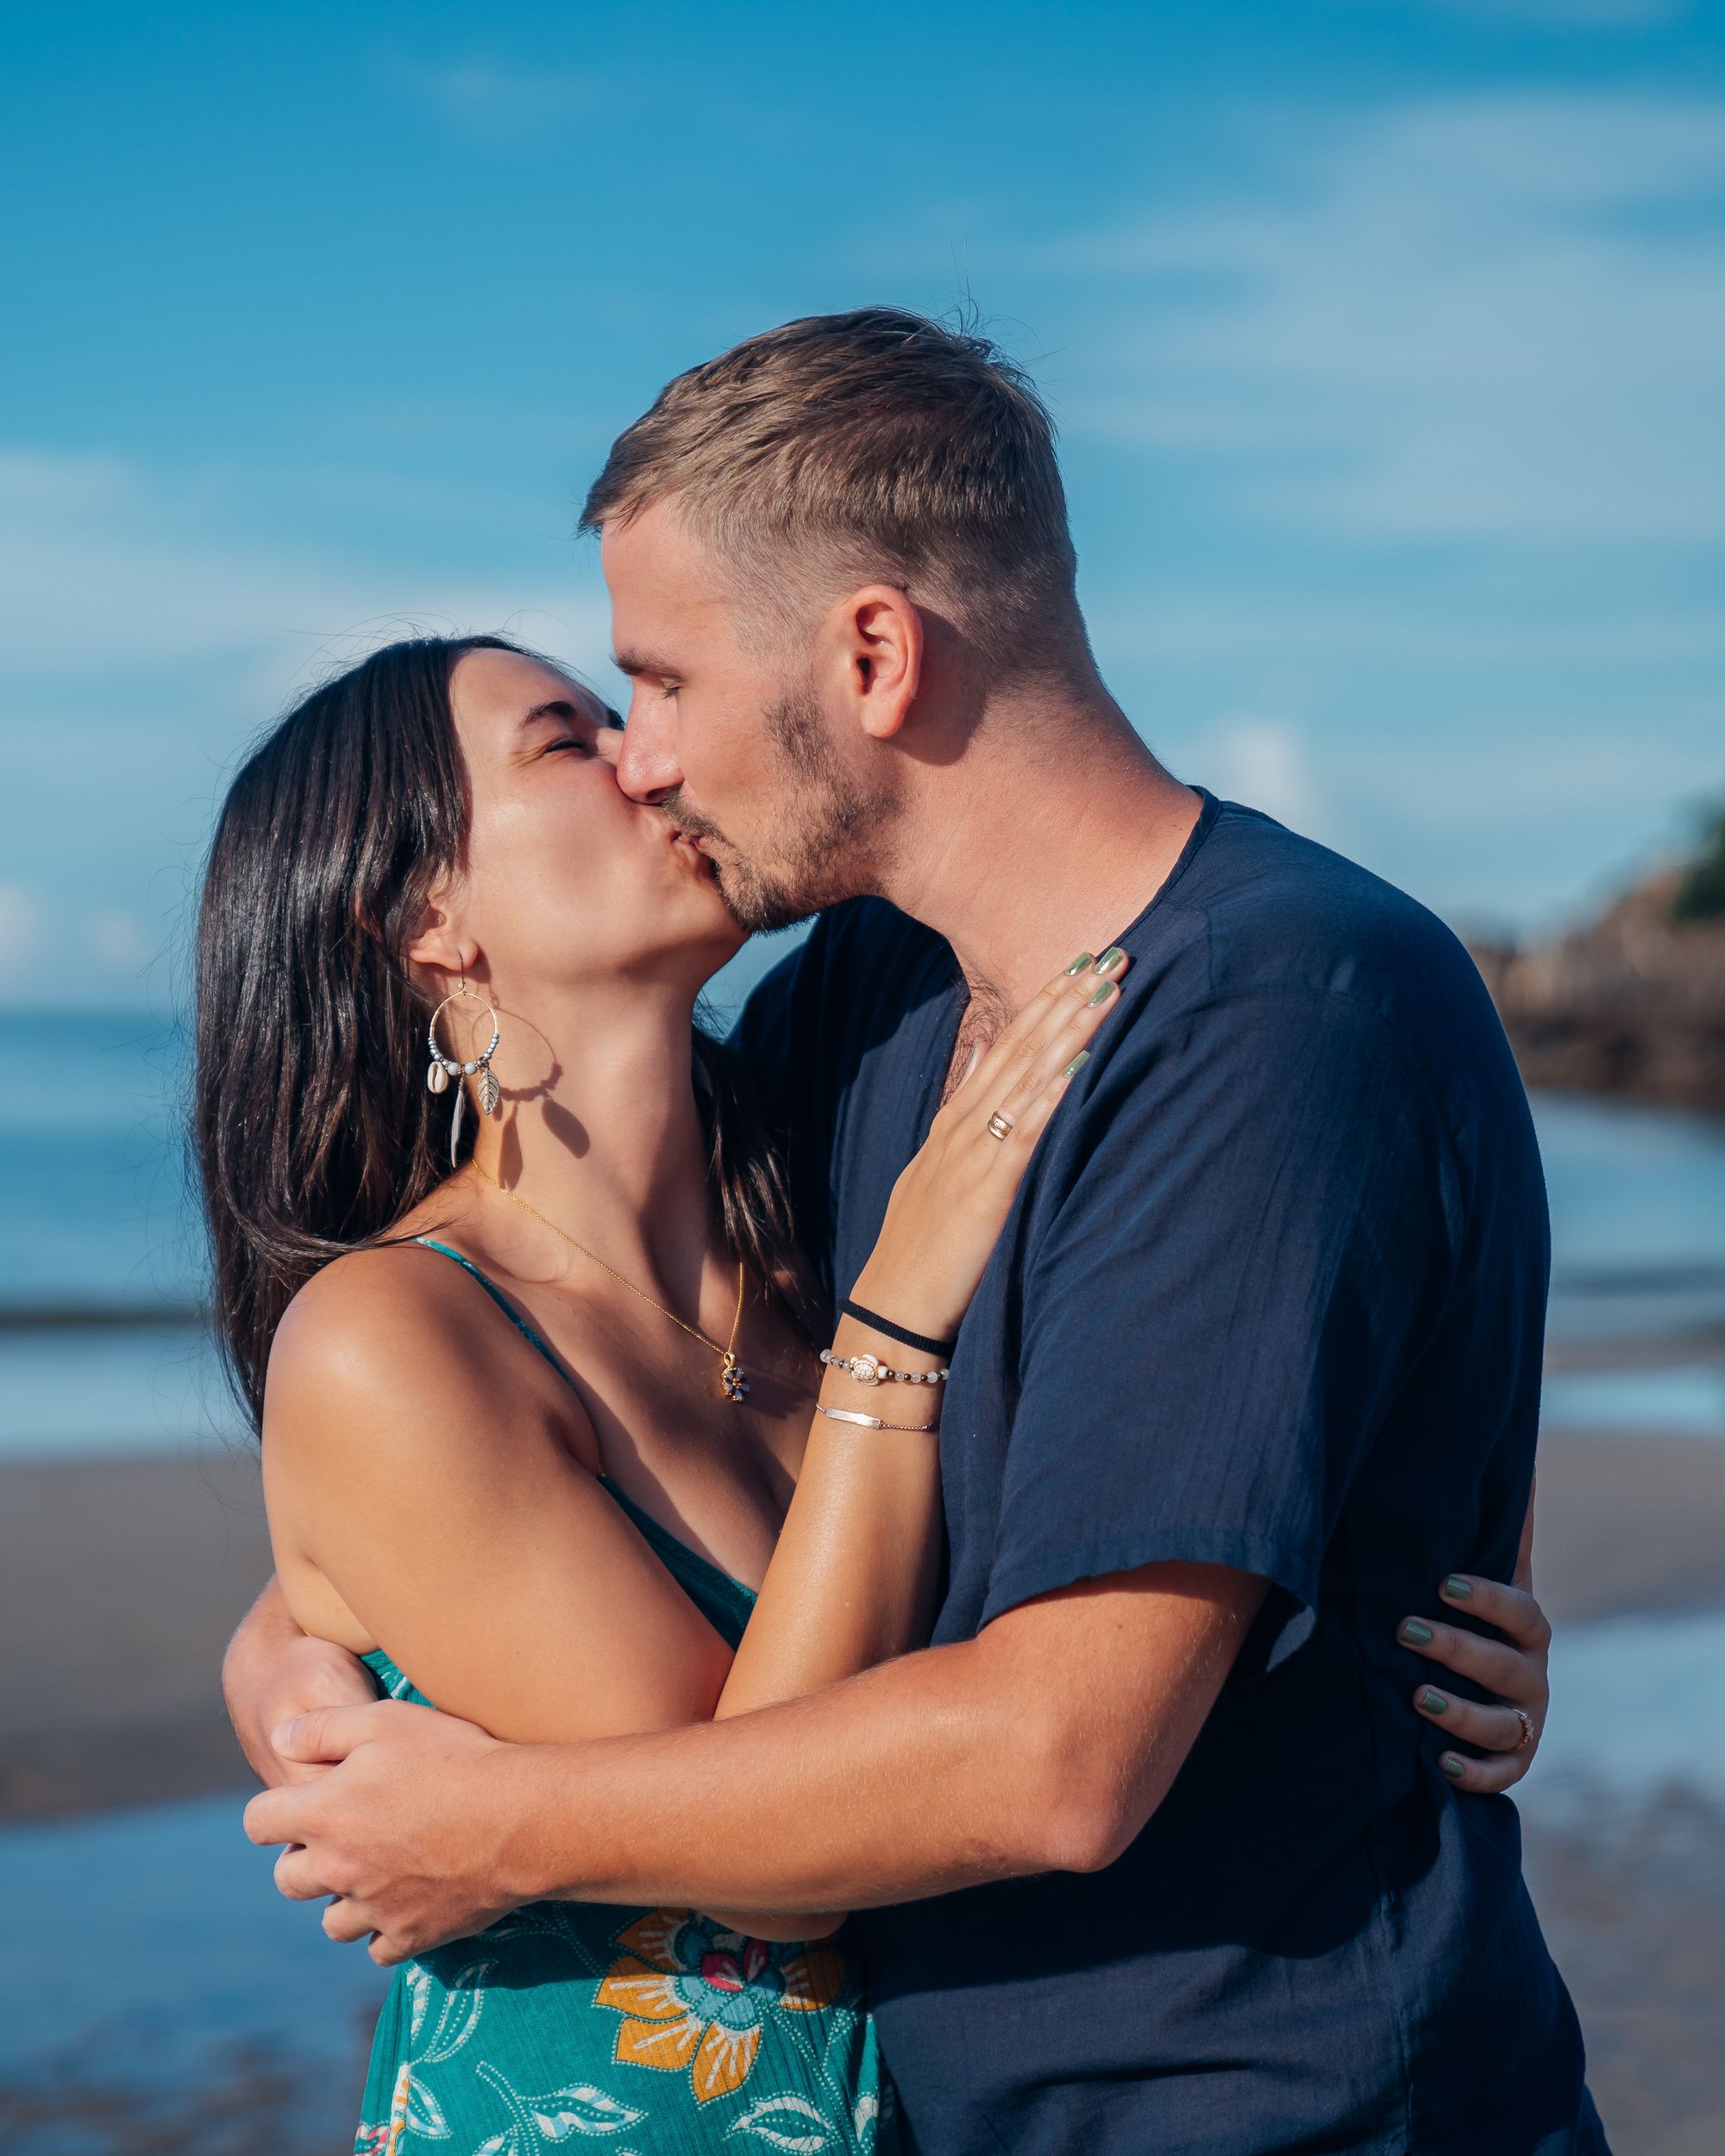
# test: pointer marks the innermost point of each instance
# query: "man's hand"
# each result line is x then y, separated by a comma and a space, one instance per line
406, 1838
979, 1760
272, 1672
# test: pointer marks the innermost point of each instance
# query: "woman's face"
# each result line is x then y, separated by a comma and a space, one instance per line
569, 883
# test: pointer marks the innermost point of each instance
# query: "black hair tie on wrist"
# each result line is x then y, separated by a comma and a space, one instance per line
897, 1332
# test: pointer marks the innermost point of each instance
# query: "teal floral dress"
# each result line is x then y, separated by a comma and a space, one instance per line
649, 2032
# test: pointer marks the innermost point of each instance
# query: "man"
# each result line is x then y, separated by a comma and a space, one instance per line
1256, 1357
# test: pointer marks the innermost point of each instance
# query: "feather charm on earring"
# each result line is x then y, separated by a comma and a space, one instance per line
445, 1071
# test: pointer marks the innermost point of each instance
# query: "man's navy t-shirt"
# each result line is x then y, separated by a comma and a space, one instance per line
1272, 1297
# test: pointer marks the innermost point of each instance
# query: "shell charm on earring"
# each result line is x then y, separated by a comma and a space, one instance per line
444, 1070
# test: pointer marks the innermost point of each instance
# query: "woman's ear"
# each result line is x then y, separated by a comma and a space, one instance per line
435, 942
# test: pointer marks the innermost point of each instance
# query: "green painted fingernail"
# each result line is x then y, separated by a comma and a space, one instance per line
1415, 1634
1451, 1766
1081, 963
1076, 1064
1457, 1588
1433, 1702
1110, 958
1102, 994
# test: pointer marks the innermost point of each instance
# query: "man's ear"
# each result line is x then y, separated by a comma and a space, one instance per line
883, 631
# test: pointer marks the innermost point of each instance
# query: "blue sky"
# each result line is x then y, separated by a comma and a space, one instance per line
1386, 338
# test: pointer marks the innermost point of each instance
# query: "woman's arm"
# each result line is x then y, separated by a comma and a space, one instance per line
1514, 1669
853, 1578
425, 1495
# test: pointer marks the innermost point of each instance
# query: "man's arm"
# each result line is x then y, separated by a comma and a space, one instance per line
1045, 1744
272, 1672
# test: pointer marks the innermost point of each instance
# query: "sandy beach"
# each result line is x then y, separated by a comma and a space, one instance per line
120, 1579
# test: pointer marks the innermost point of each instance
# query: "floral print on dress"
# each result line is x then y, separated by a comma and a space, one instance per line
698, 1995
568, 2025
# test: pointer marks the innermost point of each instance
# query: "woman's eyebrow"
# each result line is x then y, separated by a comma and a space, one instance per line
557, 707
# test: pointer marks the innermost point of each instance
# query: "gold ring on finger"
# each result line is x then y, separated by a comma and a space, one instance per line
1001, 1125
1526, 1722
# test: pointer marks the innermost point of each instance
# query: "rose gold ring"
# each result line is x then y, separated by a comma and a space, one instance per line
1526, 1722
1001, 1125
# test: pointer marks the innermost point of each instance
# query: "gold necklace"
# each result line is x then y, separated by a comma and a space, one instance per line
733, 1379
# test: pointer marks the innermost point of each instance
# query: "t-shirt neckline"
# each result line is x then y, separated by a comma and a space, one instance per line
1209, 812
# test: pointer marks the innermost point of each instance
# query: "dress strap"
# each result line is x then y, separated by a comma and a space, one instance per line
694, 1571
504, 1304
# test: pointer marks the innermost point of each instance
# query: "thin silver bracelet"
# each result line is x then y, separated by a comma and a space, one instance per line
870, 1422
870, 1369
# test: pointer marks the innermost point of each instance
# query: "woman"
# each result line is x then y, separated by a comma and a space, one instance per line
507, 1280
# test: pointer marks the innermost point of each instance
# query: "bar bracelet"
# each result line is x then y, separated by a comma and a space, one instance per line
870, 1422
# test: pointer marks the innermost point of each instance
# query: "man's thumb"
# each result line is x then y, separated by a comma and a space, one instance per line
327, 1733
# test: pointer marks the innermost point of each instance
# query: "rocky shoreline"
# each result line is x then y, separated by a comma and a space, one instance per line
1633, 1004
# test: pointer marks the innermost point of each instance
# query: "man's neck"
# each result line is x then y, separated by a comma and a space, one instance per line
1048, 836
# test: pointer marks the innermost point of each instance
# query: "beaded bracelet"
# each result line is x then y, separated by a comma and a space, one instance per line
870, 1369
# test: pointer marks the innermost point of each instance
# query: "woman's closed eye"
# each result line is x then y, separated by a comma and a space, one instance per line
560, 726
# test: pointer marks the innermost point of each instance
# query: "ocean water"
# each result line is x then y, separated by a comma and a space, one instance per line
144, 1950
96, 1217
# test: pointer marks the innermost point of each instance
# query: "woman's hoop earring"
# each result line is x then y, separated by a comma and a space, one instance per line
444, 1070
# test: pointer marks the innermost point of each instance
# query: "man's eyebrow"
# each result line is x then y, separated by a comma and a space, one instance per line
634, 662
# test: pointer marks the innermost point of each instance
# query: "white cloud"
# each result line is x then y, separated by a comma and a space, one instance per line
121, 942
24, 919
493, 101
107, 569
1495, 316
1263, 762
149, 628
1576, 14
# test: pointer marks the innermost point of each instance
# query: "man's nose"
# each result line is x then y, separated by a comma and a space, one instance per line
647, 765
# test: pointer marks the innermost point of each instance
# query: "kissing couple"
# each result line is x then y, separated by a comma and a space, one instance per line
873, 1585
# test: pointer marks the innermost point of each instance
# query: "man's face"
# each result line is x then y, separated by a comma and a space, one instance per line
736, 744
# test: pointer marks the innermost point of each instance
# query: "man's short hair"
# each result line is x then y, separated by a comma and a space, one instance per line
872, 446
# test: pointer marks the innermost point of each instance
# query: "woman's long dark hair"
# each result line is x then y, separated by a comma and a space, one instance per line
314, 1130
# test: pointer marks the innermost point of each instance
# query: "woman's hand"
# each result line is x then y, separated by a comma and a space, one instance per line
951, 1203
1514, 1669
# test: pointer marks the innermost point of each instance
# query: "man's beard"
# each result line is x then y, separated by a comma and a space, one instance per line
833, 827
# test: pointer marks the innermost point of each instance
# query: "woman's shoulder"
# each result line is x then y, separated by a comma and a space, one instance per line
398, 1327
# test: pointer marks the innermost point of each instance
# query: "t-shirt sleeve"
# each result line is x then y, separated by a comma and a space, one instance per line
1246, 1236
